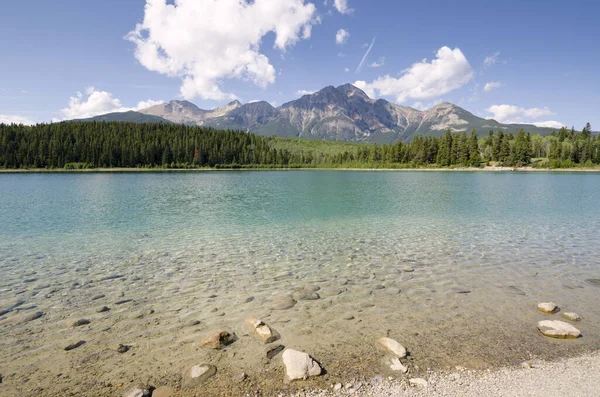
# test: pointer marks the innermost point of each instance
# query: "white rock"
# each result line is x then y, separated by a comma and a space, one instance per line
392, 346
396, 365
547, 307
572, 316
418, 382
558, 329
262, 330
338, 386
299, 365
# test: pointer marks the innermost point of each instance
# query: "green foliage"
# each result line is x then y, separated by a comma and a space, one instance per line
83, 145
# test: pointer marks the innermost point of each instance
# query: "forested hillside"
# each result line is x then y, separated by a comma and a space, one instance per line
131, 145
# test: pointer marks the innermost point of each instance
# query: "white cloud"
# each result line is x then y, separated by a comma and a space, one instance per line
492, 85
549, 124
7, 119
342, 6
424, 80
347, 70
341, 36
95, 102
304, 92
364, 58
204, 42
377, 64
424, 106
491, 60
510, 114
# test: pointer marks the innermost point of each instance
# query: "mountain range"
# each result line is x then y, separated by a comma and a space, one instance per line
343, 113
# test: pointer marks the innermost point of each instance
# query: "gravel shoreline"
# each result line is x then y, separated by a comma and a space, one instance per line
577, 376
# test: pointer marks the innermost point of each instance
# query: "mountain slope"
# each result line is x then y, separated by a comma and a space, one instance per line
131, 116
343, 113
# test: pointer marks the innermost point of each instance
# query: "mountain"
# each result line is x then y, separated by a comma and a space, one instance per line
131, 116
343, 113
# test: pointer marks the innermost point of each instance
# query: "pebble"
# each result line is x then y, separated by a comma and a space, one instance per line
163, 391
408, 269
111, 277
511, 289
75, 345
218, 338
338, 386
558, 329
272, 352
392, 291
239, 378
123, 301
197, 375
571, 316
348, 317
138, 391
418, 382
547, 307
95, 298
392, 346
192, 323
262, 330
593, 281
81, 322
102, 309
396, 365
283, 303
299, 365
123, 348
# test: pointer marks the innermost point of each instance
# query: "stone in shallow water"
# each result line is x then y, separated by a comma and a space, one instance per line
348, 316
593, 281
262, 330
123, 349
81, 322
75, 345
283, 303
392, 346
102, 309
218, 338
408, 269
299, 365
164, 391
331, 291
197, 375
138, 391
418, 382
571, 316
272, 352
547, 307
558, 329
396, 365
511, 289
22, 318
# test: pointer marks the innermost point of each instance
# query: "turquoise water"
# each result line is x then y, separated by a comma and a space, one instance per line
422, 256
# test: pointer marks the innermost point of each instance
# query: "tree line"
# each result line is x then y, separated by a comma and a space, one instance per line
133, 145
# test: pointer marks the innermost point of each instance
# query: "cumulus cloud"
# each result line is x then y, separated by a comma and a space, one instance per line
304, 92
342, 6
424, 80
377, 64
491, 60
347, 70
510, 114
341, 36
96, 102
8, 119
492, 85
549, 124
203, 42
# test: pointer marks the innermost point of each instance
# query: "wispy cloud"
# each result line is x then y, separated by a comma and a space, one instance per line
377, 64
492, 85
364, 58
491, 60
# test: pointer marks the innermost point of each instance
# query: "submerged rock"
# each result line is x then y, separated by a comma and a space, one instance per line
299, 365
102, 309
75, 345
392, 346
558, 329
418, 382
164, 391
218, 338
572, 316
547, 307
272, 352
593, 281
22, 318
123, 348
396, 365
283, 303
197, 375
81, 322
262, 330
511, 289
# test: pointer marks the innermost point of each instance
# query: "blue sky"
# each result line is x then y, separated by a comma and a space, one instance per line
543, 57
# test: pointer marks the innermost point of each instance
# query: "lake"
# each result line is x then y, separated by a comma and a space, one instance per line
451, 264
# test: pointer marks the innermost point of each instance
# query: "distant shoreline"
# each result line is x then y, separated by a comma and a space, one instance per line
142, 170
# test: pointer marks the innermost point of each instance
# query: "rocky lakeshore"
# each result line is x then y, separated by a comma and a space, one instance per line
112, 333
